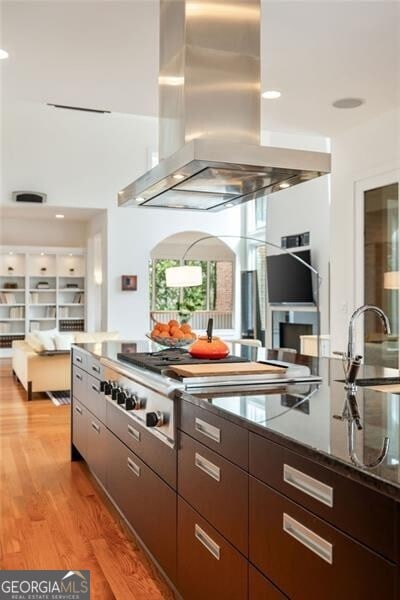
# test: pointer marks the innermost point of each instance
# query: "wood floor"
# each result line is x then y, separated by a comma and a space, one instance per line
52, 514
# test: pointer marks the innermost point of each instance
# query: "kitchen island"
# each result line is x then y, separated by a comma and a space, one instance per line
247, 493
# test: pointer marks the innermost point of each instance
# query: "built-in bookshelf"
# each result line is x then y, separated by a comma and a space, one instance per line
41, 290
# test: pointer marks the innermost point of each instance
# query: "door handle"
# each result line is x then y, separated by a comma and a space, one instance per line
308, 538
132, 466
207, 542
95, 427
78, 410
308, 485
78, 359
134, 433
95, 389
95, 369
78, 376
207, 467
208, 430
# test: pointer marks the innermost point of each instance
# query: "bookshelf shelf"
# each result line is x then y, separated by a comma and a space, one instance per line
42, 307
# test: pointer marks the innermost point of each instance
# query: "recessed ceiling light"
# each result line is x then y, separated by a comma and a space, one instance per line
60, 216
284, 185
271, 94
170, 80
70, 253
42, 254
3, 54
11, 253
139, 200
178, 176
348, 103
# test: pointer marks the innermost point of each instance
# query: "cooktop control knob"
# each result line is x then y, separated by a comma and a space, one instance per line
154, 419
132, 402
115, 391
121, 397
106, 387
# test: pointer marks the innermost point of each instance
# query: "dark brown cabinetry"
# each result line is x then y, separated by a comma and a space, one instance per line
365, 514
79, 427
222, 436
260, 588
146, 501
96, 454
216, 488
208, 566
158, 455
307, 557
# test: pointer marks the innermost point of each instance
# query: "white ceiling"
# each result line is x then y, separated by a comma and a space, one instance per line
41, 211
104, 54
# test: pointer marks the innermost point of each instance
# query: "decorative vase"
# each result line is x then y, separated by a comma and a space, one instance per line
185, 315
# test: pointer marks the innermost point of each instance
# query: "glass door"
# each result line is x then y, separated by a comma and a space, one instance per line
381, 273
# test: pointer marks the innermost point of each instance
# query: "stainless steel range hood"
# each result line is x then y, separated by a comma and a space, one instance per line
209, 125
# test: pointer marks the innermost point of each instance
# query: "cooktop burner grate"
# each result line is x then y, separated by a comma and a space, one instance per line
158, 361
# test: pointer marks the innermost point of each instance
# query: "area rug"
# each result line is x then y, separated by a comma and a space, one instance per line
60, 398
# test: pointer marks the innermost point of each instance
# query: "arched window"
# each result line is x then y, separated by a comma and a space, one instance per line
214, 298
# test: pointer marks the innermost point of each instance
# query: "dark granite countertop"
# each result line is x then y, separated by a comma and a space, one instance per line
303, 416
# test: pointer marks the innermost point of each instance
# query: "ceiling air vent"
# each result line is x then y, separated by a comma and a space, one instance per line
29, 197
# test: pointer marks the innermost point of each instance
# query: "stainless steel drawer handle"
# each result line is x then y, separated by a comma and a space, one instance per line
134, 433
208, 430
78, 376
308, 485
95, 369
207, 542
95, 427
78, 359
308, 538
207, 467
133, 467
95, 388
78, 410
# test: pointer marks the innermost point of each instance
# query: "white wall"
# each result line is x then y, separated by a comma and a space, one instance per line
42, 232
297, 210
360, 153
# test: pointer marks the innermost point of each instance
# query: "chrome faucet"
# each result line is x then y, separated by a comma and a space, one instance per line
357, 313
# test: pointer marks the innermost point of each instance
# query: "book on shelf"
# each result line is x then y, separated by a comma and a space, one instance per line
34, 326
75, 325
7, 298
78, 298
17, 312
7, 340
34, 297
5, 327
50, 312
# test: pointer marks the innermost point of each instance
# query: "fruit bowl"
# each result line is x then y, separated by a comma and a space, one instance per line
172, 334
169, 342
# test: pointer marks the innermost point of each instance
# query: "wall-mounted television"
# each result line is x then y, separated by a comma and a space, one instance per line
289, 281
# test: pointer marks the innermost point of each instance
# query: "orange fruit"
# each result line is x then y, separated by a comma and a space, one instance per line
187, 336
173, 323
178, 334
186, 328
172, 329
163, 327
155, 332
164, 334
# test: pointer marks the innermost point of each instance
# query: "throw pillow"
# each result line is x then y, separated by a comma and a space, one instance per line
46, 338
63, 341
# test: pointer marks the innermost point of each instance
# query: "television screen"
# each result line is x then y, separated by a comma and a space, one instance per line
289, 281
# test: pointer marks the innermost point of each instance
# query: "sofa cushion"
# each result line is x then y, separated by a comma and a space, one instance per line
46, 339
34, 342
63, 341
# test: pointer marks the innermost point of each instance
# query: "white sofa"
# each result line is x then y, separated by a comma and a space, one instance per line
45, 373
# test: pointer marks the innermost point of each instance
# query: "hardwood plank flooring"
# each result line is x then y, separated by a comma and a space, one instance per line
52, 513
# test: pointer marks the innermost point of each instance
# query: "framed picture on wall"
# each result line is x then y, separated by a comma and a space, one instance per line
129, 283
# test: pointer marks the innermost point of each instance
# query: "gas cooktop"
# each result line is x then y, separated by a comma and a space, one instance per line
159, 361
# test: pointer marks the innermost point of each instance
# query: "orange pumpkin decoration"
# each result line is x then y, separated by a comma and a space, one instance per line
215, 349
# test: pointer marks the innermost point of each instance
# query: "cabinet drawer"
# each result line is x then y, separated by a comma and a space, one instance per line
96, 455
148, 503
208, 566
158, 455
361, 512
260, 588
79, 385
96, 401
94, 367
308, 558
79, 358
226, 438
216, 488
79, 427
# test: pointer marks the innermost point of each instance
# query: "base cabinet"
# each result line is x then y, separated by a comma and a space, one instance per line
308, 558
79, 427
147, 502
96, 455
208, 566
260, 588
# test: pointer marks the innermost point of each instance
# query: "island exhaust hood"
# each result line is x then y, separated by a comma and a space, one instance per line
209, 114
